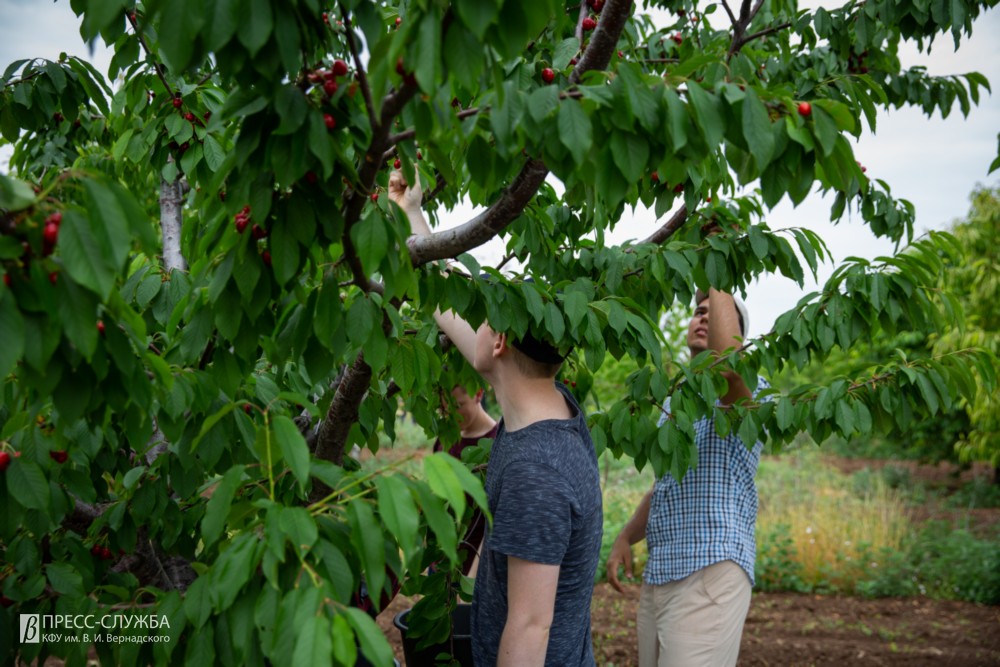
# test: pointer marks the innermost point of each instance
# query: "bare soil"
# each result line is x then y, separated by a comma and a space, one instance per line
791, 630
794, 630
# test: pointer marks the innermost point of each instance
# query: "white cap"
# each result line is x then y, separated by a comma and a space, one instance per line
741, 308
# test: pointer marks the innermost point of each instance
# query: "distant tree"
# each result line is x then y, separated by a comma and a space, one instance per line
208, 299
974, 280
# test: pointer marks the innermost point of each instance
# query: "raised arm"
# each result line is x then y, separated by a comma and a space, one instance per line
724, 333
408, 198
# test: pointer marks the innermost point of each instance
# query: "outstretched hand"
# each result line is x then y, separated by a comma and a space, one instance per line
405, 196
620, 556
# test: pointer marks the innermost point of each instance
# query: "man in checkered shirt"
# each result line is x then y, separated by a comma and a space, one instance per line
700, 533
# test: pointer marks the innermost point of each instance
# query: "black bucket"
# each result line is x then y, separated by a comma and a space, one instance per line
461, 640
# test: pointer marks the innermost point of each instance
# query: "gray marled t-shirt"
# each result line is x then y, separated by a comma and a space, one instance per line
544, 491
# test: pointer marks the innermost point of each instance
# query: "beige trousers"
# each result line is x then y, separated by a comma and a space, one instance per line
694, 622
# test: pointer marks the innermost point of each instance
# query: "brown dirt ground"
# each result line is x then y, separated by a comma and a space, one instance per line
794, 630
791, 630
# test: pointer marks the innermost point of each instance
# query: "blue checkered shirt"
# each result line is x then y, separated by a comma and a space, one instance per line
710, 516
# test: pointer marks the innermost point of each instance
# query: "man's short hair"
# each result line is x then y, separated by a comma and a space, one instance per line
535, 357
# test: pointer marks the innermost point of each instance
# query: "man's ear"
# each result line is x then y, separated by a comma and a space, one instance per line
500, 345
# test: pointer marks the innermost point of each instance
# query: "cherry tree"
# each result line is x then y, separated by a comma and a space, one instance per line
209, 300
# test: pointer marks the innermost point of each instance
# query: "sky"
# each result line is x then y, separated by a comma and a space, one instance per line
934, 163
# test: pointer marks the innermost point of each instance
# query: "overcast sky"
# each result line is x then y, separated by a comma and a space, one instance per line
935, 163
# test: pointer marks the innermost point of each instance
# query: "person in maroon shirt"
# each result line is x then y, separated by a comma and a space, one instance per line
475, 424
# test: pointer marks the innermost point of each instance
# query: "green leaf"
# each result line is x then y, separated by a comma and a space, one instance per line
366, 536
757, 129
478, 15
429, 50
630, 152
300, 528
564, 52
398, 511
83, 256
575, 130
28, 486
444, 482
11, 332
293, 447
15, 195
373, 643
214, 155
371, 241
313, 642
463, 55
542, 101
706, 111
65, 579
233, 570
217, 508
256, 25
440, 523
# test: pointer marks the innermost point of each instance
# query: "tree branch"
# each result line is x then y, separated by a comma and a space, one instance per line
491, 222
486, 225
170, 225
145, 47
604, 42
675, 222
366, 90
331, 438
766, 31
732, 17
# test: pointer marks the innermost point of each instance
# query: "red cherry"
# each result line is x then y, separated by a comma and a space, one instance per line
106, 553
258, 232
330, 87
207, 115
397, 164
400, 68
177, 102
185, 146
247, 408
5, 601
59, 456
566, 381
374, 197
50, 233
805, 109
266, 256
241, 223
339, 68
548, 76
679, 188
4, 461
677, 38
598, 5
53, 277
326, 19
100, 327
420, 155
54, 218
398, 20
655, 177
189, 117
588, 24
330, 121
95, 550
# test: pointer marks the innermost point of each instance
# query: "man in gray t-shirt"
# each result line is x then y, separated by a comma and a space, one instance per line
531, 604
544, 492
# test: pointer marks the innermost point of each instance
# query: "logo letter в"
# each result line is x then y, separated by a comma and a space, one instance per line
30, 630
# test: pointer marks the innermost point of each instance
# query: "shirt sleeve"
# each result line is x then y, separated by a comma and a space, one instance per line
533, 517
